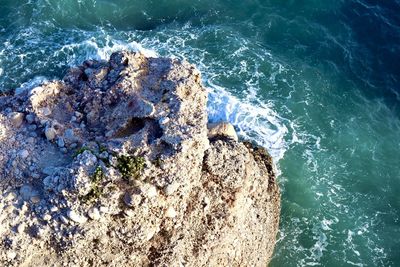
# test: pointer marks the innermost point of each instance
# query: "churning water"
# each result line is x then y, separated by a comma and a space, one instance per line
317, 82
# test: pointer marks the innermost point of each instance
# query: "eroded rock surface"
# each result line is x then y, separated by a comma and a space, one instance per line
114, 166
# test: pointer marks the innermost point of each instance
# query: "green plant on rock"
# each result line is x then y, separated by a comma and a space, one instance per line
102, 148
98, 175
96, 190
130, 167
80, 151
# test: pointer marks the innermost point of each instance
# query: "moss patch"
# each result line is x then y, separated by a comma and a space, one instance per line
102, 148
96, 190
130, 167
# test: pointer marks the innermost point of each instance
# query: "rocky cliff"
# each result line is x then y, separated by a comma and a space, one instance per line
115, 166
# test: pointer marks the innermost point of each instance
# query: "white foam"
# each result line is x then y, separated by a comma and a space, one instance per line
116, 45
325, 224
257, 122
355, 264
91, 49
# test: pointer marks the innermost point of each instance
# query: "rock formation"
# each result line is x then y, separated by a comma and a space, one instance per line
114, 166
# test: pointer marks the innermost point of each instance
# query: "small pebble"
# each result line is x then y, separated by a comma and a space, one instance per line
206, 204
170, 213
150, 233
74, 216
88, 71
32, 127
149, 190
21, 228
48, 170
45, 111
164, 120
30, 118
129, 212
11, 255
50, 133
103, 209
54, 209
35, 199
94, 213
16, 118
109, 133
47, 182
171, 188
69, 135
47, 217
132, 200
73, 145
39, 233
60, 142
24, 154
60, 187
104, 155
63, 219
25, 192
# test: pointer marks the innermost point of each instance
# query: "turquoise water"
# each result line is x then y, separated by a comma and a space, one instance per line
317, 82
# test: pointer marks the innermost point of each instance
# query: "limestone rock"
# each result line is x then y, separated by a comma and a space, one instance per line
16, 118
11, 255
26, 192
30, 118
133, 176
94, 213
222, 129
50, 133
132, 199
76, 217
24, 153
170, 213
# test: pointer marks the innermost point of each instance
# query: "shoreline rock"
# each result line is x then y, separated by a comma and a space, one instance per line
115, 166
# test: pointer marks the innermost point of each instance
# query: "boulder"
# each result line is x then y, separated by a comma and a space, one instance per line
222, 129
132, 176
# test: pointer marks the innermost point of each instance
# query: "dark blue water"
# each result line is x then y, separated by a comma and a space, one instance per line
317, 82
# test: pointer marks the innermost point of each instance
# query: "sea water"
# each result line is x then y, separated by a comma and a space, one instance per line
316, 82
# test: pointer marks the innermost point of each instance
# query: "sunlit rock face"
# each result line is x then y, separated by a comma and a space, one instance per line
115, 166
